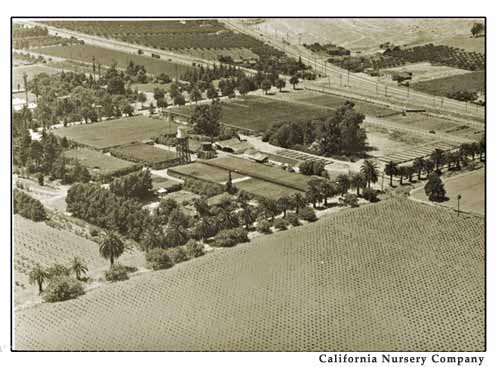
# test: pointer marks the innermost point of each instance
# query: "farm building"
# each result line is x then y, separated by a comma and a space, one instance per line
233, 145
256, 156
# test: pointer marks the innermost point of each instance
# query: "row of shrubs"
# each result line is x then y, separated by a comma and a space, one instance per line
160, 258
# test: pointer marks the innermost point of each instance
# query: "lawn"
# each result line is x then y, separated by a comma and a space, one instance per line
105, 56
469, 185
474, 81
144, 154
198, 170
260, 171
333, 101
265, 189
391, 276
259, 113
113, 133
99, 164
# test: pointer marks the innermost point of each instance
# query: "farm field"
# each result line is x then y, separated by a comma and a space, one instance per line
99, 164
423, 71
214, 54
470, 185
164, 34
259, 113
265, 189
441, 87
31, 71
203, 172
113, 133
144, 154
107, 56
429, 122
372, 272
383, 141
260, 171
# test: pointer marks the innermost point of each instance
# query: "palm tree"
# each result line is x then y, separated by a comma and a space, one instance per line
298, 201
419, 165
283, 204
437, 157
328, 189
111, 248
78, 267
344, 182
390, 169
369, 170
38, 275
358, 181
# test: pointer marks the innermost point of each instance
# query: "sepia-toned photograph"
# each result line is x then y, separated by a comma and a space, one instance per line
248, 184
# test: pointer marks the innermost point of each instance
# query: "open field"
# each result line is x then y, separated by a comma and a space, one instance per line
99, 164
113, 133
259, 113
363, 279
144, 154
260, 171
203, 172
424, 150
423, 71
427, 122
214, 53
335, 101
31, 71
265, 189
470, 185
466, 42
474, 81
106, 56
365, 34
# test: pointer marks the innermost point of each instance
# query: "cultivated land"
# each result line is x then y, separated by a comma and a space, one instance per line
203, 172
113, 133
106, 56
466, 42
99, 163
256, 170
265, 189
470, 185
423, 71
474, 81
363, 279
259, 113
143, 153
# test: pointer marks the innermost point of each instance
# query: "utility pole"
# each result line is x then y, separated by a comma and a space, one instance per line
340, 77
459, 197
348, 74
386, 90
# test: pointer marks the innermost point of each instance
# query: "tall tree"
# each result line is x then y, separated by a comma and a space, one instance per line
369, 170
78, 267
111, 247
434, 188
38, 275
391, 169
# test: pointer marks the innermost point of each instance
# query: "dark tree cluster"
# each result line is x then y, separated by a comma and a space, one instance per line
28, 207
137, 185
340, 134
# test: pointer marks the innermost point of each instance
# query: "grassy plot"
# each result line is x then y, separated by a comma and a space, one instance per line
333, 101
474, 81
100, 164
113, 133
144, 153
372, 272
105, 56
260, 171
259, 113
265, 189
469, 185
203, 172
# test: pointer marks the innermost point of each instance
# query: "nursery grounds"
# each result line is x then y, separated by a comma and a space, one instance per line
364, 279
259, 113
99, 164
113, 133
144, 154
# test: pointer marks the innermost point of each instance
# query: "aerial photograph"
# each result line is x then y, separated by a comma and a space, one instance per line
248, 184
